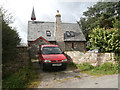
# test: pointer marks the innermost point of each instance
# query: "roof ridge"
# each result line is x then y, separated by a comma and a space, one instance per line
53, 22
42, 21
68, 23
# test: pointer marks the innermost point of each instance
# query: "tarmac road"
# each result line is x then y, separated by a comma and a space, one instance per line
108, 81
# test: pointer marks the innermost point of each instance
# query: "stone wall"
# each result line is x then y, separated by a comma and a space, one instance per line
94, 59
34, 48
74, 45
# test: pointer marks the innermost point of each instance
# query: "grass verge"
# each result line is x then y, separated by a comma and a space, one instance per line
105, 69
19, 79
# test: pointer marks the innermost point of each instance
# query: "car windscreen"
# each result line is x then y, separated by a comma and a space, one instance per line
51, 50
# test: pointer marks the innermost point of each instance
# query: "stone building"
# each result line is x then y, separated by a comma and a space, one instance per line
67, 35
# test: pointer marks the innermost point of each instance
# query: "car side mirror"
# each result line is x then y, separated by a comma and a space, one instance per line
63, 53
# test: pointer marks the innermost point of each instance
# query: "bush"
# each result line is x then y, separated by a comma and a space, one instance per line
71, 64
10, 40
109, 66
106, 68
19, 79
85, 67
10, 37
117, 57
106, 40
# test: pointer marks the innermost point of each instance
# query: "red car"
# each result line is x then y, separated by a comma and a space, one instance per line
51, 56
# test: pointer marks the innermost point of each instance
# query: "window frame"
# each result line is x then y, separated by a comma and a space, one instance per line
48, 35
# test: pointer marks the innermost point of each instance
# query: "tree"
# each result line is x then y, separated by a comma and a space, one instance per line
10, 40
116, 23
101, 14
106, 40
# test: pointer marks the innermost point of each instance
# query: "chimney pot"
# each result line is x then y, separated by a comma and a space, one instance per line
58, 14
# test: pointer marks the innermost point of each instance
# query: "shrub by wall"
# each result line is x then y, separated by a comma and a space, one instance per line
13, 65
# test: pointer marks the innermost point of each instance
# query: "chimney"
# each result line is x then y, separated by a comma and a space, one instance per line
59, 34
33, 17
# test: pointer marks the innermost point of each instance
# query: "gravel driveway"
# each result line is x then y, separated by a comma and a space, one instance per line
72, 78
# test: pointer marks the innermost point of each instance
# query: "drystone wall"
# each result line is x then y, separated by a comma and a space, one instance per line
94, 59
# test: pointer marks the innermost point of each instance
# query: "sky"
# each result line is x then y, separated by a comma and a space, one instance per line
45, 10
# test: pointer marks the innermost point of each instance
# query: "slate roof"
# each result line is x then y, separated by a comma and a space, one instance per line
39, 28
76, 29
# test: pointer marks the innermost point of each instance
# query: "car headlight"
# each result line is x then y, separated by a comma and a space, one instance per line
64, 60
47, 61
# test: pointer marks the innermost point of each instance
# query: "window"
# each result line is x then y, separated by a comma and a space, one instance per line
51, 50
68, 33
72, 34
48, 33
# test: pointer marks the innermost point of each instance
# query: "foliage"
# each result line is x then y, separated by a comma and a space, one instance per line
106, 40
117, 58
10, 39
71, 64
85, 66
19, 79
106, 68
101, 14
116, 23
7, 17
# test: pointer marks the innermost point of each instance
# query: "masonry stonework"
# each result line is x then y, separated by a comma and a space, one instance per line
59, 32
94, 59
34, 48
77, 46
68, 36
